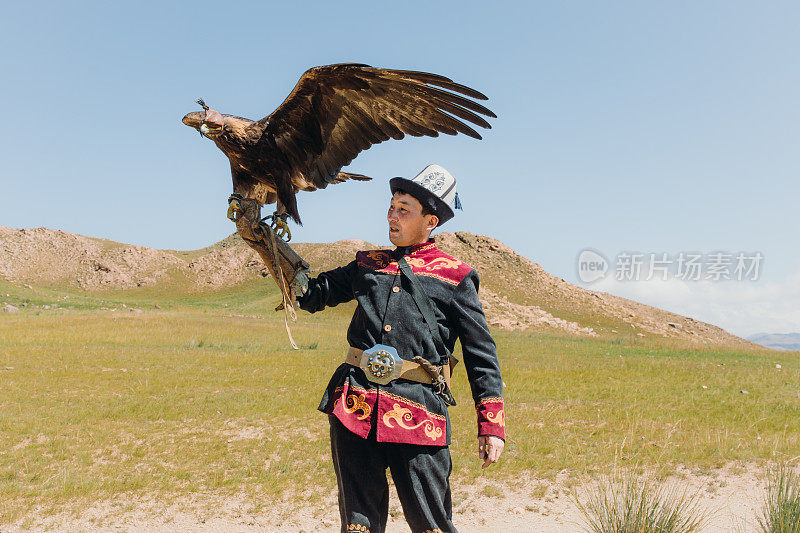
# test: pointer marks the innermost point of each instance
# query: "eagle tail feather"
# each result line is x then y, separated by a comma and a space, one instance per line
344, 176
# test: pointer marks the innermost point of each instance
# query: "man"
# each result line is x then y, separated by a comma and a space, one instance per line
388, 401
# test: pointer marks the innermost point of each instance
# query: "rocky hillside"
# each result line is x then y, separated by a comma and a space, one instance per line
517, 293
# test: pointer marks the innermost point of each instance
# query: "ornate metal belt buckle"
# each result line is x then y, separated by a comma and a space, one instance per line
381, 364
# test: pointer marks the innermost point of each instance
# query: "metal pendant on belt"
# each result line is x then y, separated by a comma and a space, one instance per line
381, 364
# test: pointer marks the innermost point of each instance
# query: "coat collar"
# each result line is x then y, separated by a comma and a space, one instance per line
415, 249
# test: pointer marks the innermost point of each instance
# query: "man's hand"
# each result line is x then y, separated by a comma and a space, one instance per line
489, 449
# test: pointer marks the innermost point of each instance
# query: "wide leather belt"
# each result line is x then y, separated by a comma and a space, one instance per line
382, 364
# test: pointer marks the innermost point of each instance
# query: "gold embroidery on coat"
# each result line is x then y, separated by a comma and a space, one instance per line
497, 418
379, 256
490, 399
413, 404
401, 415
357, 527
355, 403
434, 264
451, 281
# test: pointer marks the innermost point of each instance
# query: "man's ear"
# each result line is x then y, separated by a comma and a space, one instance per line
433, 221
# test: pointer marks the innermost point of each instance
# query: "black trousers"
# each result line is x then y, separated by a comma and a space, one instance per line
421, 475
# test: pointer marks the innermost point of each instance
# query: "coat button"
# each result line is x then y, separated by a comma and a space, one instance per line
395, 289
387, 327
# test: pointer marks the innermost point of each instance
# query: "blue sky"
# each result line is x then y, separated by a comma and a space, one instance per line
657, 127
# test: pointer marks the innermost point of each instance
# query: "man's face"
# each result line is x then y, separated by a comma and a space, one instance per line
407, 224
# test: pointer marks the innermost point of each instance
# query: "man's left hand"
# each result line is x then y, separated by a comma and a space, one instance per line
489, 449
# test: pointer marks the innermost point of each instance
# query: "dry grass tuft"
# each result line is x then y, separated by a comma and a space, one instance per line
780, 512
629, 503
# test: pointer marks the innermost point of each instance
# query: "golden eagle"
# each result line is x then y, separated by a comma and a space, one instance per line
333, 113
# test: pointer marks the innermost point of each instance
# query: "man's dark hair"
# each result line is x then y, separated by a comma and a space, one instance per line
426, 210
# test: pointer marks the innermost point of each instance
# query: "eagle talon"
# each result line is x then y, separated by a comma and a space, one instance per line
279, 226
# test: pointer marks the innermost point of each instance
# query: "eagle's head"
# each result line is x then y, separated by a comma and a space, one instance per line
208, 122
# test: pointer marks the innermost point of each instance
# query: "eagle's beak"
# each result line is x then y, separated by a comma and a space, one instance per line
193, 120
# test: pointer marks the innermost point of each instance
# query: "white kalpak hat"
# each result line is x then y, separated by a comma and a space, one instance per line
434, 187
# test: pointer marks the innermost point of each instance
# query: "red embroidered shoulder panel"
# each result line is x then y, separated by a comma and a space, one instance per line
425, 260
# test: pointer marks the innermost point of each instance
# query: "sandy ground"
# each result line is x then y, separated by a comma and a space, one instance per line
732, 495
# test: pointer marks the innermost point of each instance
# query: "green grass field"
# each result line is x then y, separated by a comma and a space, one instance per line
199, 396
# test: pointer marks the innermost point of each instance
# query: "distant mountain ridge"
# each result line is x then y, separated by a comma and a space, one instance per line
516, 293
777, 341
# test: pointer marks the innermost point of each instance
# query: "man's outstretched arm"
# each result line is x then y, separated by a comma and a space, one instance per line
328, 289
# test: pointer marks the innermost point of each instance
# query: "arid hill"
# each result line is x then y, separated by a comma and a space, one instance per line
517, 293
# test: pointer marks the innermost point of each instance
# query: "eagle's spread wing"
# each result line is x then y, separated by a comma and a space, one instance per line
336, 111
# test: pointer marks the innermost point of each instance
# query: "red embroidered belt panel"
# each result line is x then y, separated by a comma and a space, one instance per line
398, 419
